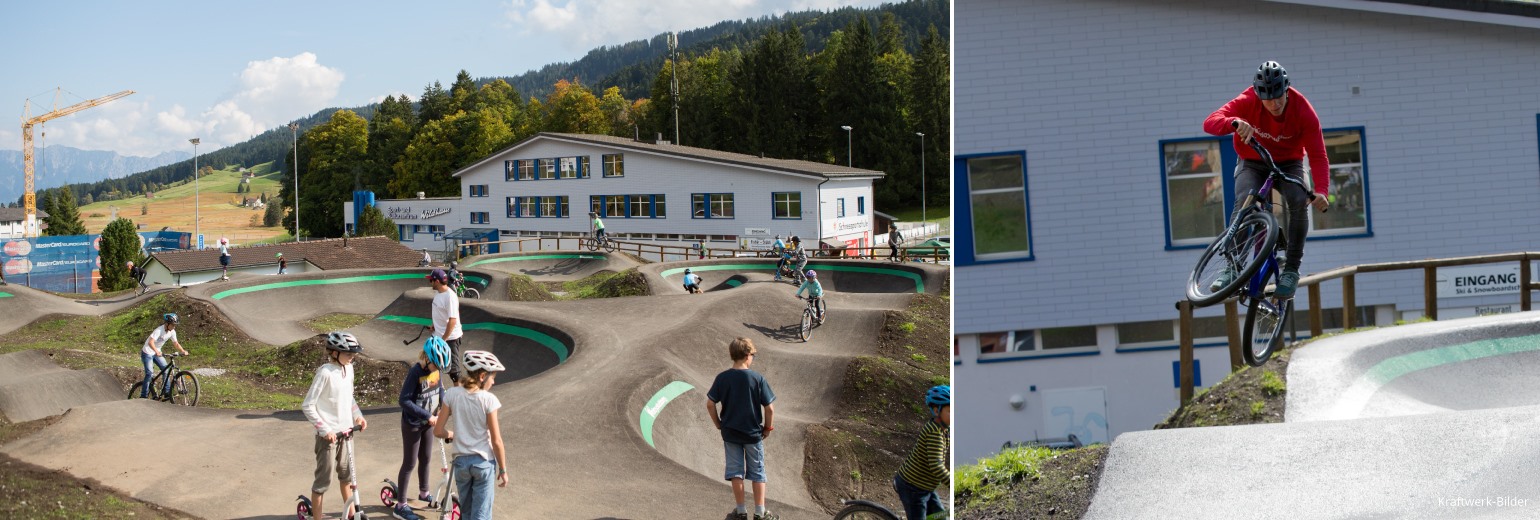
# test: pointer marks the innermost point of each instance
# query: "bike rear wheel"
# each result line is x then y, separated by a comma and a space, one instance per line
863, 511
133, 391
472, 293
591, 244
609, 245
806, 332
1241, 252
1266, 319
184, 389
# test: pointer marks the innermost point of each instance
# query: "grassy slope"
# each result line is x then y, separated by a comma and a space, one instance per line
174, 207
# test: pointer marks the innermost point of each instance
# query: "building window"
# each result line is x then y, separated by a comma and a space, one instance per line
659, 207
1349, 213
614, 206
407, 233
526, 169
569, 167
1044, 340
1158, 332
631, 206
584, 168
788, 205
479, 217
615, 165
711, 205
840, 207
994, 223
478, 190
860, 206
1195, 192
553, 206
639, 205
547, 168
513, 208
510, 170
529, 207
1006, 342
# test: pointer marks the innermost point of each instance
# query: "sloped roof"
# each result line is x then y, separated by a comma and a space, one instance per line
365, 252
18, 214
827, 171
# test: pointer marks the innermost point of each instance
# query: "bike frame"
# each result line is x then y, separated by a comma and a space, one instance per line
1262, 201
160, 385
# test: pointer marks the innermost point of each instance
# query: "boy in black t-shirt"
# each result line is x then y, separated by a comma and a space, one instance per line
745, 418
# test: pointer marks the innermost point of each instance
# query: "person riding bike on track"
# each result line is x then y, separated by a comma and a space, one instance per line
151, 351
420, 394
814, 290
1279, 118
597, 224
456, 278
691, 281
137, 274
926, 467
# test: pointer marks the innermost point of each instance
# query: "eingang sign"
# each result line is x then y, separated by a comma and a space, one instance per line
1478, 280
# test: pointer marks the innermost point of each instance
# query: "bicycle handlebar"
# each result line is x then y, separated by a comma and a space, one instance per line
1267, 157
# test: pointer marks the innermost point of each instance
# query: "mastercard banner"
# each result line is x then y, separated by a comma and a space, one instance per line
69, 263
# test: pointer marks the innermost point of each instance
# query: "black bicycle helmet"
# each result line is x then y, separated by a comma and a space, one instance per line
343, 342
170, 317
1271, 81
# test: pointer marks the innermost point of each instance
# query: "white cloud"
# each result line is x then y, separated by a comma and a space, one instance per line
266, 94
584, 24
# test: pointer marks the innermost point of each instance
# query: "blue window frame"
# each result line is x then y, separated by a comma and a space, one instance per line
630, 206
479, 217
994, 217
1198, 188
711, 205
787, 205
478, 190
860, 206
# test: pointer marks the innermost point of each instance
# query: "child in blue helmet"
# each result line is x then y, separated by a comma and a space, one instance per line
926, 467
420, 395
691, 282
814, 291
151, 351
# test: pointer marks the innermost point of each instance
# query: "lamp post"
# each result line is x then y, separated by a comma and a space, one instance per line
196, 194
923, 220
848, 161
294, 131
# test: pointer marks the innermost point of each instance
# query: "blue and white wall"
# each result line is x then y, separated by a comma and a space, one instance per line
1094, 96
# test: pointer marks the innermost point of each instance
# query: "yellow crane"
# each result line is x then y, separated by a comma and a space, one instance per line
30, 199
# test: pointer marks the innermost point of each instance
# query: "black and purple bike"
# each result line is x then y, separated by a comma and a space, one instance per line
1250, 251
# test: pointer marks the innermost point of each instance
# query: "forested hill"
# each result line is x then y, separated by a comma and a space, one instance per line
632, 66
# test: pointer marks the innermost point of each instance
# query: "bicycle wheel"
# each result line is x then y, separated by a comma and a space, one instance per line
472, 293
1241, 252
133, 391
609, 245
1265, 321
591, 244
807, 324
184, 389
864, 511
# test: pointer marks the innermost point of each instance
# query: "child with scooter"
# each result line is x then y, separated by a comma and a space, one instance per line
330, 407
468, 417
420, 395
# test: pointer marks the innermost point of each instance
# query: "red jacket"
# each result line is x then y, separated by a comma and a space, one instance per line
1291, 137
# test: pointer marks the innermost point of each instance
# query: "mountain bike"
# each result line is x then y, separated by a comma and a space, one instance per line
448, 507
1252, 250
461, 290
181, 388
812, 315
866, 509
595, 243
354, 504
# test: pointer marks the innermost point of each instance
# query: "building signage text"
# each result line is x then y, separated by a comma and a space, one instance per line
398, 213
1479, 280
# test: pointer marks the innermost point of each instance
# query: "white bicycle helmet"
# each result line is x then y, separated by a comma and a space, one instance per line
481, 360
343, 342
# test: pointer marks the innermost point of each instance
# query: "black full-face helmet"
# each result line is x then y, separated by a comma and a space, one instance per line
1271, 81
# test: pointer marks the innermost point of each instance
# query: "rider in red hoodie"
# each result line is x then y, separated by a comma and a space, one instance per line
1282, 120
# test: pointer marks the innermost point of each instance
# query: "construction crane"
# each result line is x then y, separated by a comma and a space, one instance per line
30, 198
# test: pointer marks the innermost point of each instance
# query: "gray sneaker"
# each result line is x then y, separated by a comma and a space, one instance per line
1287, 282
734, 515
767, 516
1225, 277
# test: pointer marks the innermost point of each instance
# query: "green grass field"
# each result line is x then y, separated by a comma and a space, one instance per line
216, 205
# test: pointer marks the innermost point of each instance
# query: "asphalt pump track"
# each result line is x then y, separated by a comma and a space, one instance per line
589, 419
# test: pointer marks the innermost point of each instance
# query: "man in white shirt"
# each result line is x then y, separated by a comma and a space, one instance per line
446, 316
151, 351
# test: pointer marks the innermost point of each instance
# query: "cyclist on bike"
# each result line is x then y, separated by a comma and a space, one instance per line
332, 410
598, 225
814, 291
691, 282
456, 278
151, 351
925, 468
137, 274
420, 395
1279, 118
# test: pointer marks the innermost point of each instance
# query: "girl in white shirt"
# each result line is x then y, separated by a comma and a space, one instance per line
468, 417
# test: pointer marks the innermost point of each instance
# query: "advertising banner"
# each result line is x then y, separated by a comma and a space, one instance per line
69, 264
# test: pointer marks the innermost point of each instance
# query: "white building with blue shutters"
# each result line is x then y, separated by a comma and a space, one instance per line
1085, 187
544, 186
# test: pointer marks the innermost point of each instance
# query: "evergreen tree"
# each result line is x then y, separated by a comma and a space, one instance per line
705, 92
120, 245
463, 92
860, 96
272, 215
428, 161
64, 217
389, 133
775, 99
930, 107
371, 222
435, 104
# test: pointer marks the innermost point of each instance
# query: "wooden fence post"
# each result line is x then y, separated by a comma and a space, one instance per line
1524, 283
1430, 292
1349, 307
1185, 307
1233, 331
1315, 309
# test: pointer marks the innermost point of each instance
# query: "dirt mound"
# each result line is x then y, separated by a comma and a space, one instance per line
522, 288
375, 383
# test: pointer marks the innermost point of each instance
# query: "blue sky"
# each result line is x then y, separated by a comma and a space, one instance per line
225, 71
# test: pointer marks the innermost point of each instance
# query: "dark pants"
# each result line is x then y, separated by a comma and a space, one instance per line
892, 251
415, 441
1296, 225
454, 360
918, 503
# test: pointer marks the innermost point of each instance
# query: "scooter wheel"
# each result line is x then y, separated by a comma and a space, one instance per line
388, 494
302, 509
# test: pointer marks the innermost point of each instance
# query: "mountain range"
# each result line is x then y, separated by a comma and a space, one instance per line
60, 165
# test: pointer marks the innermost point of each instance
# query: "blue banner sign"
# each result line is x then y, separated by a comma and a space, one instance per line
70, 264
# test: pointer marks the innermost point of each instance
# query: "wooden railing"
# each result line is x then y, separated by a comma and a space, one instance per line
1349, 276
670, 253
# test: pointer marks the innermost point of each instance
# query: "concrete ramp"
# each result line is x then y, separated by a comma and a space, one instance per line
26, 363
51, 393
24, 305
851, 276
553, 266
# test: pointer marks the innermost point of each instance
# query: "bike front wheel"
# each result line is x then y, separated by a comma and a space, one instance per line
1263, 335
472, 293
862, 511
184, 389
591, 244
1237, 254
806, 332
609, 245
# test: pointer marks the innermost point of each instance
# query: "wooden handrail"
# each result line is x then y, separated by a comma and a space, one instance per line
1348, 275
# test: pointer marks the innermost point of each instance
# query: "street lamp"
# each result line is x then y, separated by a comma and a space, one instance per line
848, 161
294, 131
923, 220
196, 195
